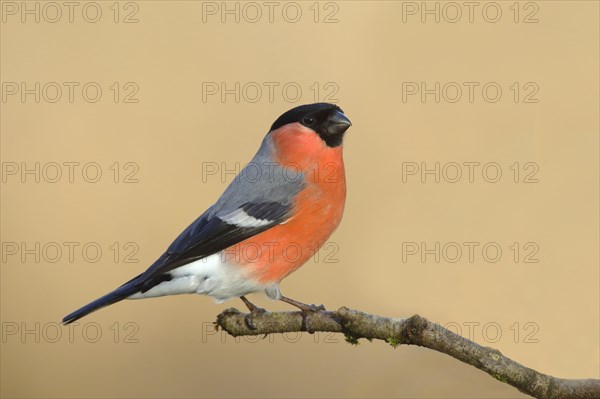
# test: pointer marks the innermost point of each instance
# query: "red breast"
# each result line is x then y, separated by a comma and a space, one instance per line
318, 208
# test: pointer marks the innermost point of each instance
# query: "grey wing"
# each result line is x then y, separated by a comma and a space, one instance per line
248, 207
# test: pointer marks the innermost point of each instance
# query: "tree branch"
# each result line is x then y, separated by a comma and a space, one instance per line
415, 330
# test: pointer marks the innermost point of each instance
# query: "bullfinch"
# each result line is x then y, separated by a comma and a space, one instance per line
269, 221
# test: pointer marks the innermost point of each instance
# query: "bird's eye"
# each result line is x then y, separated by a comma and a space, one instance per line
308, 120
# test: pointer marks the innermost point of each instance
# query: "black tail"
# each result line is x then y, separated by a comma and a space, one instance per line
117, 295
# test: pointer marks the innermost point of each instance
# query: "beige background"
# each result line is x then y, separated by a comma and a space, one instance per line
171, 132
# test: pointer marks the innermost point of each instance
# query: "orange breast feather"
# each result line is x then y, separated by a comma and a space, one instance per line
318, 208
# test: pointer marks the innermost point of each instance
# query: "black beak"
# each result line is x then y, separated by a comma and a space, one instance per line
336, 124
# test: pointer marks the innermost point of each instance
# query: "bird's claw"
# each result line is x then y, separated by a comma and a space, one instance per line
307, 312
314, 308
249, 318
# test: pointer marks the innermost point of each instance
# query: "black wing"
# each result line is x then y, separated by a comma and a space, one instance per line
210, 234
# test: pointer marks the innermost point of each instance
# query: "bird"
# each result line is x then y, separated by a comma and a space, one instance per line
270, 220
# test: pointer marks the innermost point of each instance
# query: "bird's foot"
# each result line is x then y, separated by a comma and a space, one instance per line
254, 312
307, 315
314, 308
249, 319
307, 311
